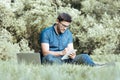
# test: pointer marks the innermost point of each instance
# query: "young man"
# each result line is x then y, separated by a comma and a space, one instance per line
57, 40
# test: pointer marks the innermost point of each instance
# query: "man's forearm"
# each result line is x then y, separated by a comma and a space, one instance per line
55, 53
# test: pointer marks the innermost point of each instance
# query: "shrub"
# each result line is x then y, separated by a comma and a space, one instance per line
95, 25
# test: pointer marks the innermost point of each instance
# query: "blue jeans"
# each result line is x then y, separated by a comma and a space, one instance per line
79, 59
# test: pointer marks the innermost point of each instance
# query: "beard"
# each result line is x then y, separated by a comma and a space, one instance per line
59, 29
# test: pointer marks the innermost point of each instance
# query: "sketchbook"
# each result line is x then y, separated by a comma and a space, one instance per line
66, 56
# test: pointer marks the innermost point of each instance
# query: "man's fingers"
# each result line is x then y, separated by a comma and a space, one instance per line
66, 49
72, 56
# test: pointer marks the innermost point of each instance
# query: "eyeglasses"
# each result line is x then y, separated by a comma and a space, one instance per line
64, 25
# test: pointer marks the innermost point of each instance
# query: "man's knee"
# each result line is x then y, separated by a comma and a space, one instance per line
84, 56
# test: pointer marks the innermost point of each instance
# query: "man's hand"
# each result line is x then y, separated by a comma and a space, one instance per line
72, 56
65, 51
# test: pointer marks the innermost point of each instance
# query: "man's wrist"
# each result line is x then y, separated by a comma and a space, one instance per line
61, 53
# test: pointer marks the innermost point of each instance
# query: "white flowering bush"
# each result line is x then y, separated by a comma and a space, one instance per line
95, 26
7, 48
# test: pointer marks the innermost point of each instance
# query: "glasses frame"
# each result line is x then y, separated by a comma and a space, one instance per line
65, 26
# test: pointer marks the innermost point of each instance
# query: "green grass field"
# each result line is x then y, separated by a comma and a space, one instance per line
11, 70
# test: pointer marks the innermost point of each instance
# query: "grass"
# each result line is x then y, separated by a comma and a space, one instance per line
11, 70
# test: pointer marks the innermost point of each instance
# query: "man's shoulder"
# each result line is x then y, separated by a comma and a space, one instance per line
68, 31
48, 29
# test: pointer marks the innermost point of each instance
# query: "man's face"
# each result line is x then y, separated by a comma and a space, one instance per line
62, 26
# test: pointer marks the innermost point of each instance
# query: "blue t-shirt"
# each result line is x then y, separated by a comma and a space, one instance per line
57, 42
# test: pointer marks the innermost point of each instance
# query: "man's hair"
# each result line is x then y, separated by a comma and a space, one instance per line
64, 17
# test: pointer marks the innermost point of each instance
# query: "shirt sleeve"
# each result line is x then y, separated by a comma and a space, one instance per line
44, 37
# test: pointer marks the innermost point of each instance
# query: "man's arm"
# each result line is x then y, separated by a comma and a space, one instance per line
45, 49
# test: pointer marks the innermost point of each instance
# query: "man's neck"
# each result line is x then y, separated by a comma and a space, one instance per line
55, 27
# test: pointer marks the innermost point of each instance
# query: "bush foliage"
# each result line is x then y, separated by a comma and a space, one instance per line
95, 26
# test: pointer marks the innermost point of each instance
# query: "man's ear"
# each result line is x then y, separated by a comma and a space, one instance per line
57, 21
